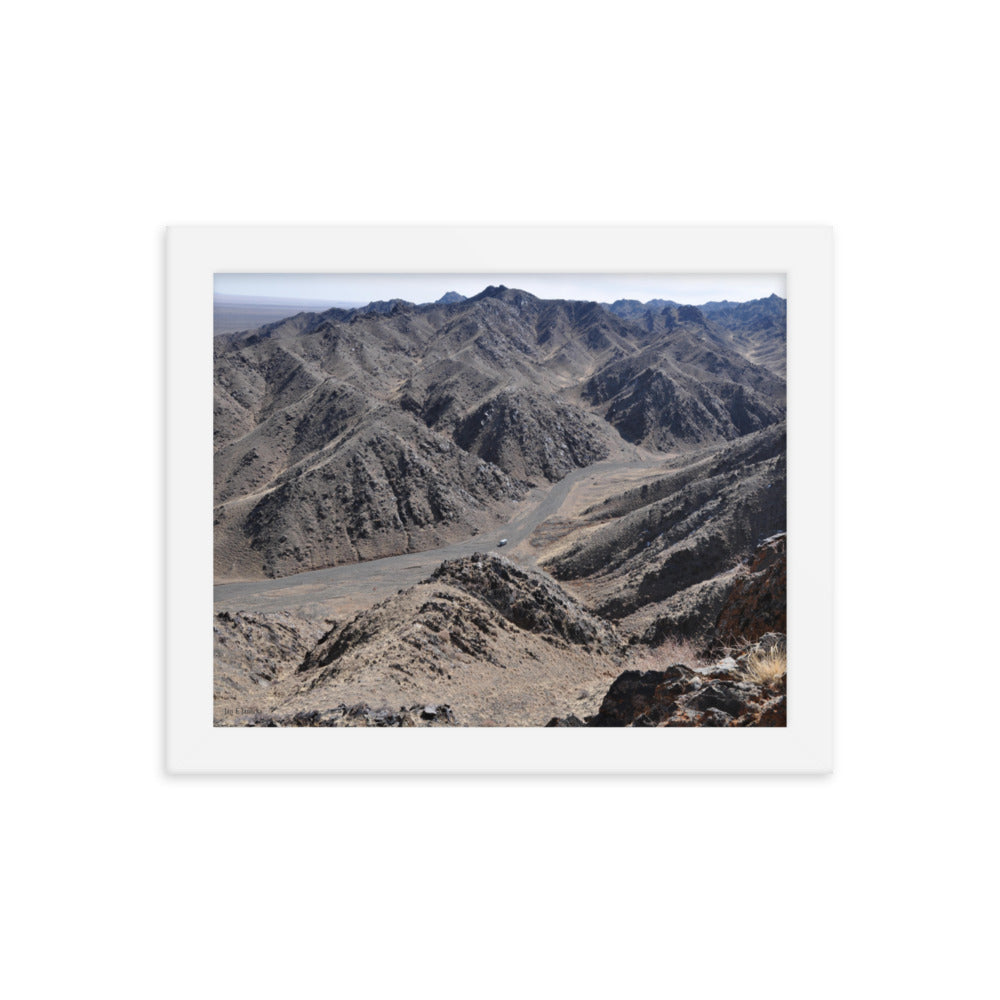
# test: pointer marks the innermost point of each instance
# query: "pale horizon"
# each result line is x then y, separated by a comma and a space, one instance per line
360, 289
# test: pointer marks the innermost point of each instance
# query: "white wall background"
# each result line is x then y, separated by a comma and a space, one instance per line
878, 118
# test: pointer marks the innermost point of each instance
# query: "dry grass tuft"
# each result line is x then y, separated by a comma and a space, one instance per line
767, 667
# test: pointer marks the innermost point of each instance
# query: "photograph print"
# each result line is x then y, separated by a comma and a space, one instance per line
499, 500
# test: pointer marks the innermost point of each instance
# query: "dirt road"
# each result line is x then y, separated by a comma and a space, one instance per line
346, 589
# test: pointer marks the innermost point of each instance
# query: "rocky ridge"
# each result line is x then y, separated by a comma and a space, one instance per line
391, 485
757, 601
675, 542
252, 653
498, 644
681, 696
483, 641
361, 714
353, 434
311, 413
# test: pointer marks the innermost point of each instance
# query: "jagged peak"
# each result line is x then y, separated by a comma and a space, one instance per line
513, 296
690, 314
386, 307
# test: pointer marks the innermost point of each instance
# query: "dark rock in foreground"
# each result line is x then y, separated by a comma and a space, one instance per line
757, 602
680, 696
353, 715
569, 722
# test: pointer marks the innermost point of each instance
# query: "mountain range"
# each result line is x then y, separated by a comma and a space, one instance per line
346, 435
492, 510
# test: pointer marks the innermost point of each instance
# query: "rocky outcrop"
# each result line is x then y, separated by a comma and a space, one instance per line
671, 542
756, 604
468, 604
688, 614
360, 714
389, 487
498, 644
533, 438
531, 601
680, 696
569, 722
253, 651
685, 389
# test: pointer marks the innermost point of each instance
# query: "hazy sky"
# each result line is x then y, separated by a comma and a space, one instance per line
364, 288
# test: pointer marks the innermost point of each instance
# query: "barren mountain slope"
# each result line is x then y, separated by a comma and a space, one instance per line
668, 549
755, 329
252, 653
388, 485
684, 387
496, 644
352, 434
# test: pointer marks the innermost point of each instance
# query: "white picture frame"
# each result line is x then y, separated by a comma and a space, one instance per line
804, 254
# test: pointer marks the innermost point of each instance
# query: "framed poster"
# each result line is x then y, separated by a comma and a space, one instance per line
499, 499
